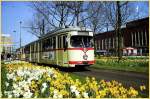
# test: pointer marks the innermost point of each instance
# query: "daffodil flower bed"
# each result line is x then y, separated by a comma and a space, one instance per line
25, 80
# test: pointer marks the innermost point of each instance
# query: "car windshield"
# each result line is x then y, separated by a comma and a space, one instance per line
82, 41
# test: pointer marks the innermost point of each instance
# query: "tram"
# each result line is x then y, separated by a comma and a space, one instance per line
67, 47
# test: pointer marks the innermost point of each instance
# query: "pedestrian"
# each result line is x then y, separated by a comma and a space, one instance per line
2, 56
9, 56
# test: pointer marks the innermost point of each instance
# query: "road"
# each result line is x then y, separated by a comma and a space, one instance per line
126, 78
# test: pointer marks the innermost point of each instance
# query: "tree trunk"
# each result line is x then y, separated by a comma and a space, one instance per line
118, 29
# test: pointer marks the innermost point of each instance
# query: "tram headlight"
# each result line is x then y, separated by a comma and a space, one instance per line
91, 33
85, 57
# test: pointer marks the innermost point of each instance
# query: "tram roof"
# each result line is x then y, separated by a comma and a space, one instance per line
62, 30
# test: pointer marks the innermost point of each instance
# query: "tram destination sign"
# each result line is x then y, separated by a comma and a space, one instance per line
83, 33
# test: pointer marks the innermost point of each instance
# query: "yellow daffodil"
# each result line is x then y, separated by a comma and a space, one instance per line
33, 80
142, 87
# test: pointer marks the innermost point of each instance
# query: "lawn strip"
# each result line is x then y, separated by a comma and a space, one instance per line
124, 65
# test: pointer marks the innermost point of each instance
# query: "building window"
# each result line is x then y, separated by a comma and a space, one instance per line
132, 38
102, 44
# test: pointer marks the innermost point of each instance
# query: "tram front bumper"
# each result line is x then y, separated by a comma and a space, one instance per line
82, 62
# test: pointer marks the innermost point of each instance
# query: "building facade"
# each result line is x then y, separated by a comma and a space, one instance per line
6, 45
135, 39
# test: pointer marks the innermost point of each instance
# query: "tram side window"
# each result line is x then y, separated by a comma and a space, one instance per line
44, 45
59, 41
27, 50
64, 41
32, 48
54, 42
47, 44
50, 44
37, 46
41, 46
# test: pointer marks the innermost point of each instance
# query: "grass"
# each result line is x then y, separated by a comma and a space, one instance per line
3, 78
135, 65
75, 76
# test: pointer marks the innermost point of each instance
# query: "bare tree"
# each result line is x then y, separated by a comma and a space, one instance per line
76, 8
117, 14
35, 25
60, 13
96, 16
53, 15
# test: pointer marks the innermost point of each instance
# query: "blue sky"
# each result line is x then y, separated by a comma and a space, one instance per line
14, 12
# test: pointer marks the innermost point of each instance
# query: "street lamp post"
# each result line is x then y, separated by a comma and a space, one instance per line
20, 33
20, 40
14, 34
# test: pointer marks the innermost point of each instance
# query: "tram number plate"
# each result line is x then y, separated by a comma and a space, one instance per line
85, 62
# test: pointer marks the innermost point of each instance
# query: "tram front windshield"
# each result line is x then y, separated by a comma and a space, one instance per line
81, 41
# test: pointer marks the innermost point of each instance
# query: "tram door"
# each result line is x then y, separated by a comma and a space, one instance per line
65, 51
62, 52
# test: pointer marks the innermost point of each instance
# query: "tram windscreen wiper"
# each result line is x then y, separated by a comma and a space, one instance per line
83, 43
